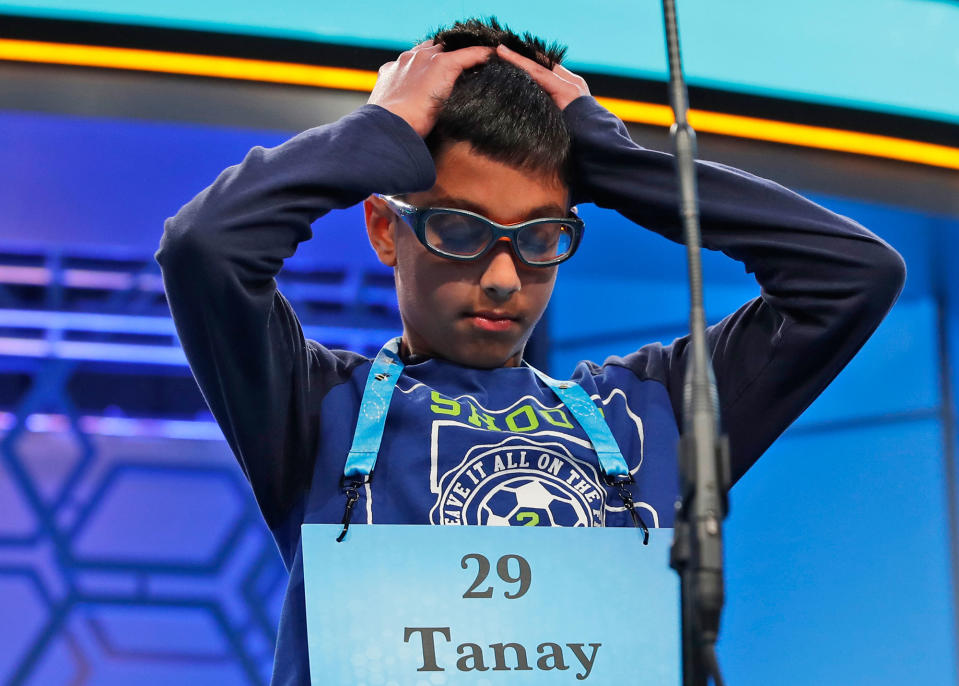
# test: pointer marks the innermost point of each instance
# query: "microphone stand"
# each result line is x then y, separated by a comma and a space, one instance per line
697, 551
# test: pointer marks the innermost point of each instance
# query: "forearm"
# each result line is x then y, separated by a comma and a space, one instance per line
826, 281
219, 256
256, 213
753, 220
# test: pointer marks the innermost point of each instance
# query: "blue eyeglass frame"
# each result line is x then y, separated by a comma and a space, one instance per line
416, 218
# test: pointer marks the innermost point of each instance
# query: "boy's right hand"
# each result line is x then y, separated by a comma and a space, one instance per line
416, 84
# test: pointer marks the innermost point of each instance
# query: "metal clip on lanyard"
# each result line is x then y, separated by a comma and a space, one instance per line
371, 421
611, 461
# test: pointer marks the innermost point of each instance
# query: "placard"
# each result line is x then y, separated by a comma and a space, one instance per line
481, 606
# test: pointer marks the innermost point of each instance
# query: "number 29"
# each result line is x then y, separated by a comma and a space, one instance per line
503, 570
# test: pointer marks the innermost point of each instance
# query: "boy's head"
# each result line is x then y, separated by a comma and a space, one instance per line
501, 149
497, 108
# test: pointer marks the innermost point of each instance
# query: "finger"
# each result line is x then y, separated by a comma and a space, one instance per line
534, 68
517, 59
430, 50
464, 58
571, 77
426, 45
541, 75
565, 73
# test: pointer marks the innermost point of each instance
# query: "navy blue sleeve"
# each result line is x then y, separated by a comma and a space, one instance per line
826, 282
219, 257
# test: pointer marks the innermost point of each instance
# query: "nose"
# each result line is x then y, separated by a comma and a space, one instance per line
500, 279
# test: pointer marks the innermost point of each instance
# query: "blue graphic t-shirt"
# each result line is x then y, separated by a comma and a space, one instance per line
496, 447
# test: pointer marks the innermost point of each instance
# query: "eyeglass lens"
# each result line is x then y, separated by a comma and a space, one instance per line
465, 236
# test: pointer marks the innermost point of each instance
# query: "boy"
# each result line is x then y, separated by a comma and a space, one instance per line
467, 139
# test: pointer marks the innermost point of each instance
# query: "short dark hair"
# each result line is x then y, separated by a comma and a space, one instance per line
497, 107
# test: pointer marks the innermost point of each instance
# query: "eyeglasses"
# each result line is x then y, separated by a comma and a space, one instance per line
465, 236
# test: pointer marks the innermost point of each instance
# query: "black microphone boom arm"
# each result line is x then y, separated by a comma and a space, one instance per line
697, 551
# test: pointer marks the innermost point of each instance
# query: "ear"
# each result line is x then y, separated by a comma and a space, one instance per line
379, 229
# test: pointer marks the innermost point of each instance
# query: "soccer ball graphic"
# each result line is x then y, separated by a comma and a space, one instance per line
526, 501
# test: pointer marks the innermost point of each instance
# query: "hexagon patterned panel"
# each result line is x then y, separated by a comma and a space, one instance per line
131, 559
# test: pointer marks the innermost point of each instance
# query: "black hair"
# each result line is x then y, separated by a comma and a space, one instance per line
497, 107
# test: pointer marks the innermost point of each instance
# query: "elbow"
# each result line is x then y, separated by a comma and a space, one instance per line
186, 233
889, 274
198, 226
182, 246
174, 243
883, 275
170, 241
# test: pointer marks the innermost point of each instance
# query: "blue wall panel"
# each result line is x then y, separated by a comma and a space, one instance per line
144, 560
838, 562
106, 182
893, 55
839, 557
902, 355
108, 185
156, 570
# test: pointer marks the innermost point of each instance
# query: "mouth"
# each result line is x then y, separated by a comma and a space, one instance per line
491, 320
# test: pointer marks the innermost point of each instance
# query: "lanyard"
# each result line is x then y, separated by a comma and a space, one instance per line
371, 421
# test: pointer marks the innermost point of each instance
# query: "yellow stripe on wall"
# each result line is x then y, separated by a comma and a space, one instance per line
184, 63
793, 134
362, 80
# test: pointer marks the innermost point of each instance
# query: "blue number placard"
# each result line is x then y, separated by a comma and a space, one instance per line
481, 606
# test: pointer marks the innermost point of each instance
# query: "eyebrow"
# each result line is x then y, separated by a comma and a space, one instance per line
542, 212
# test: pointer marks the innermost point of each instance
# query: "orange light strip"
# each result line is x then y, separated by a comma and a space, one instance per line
184, 63
793, 134
362, 80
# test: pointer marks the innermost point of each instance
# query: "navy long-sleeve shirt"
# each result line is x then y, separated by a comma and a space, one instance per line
472, 446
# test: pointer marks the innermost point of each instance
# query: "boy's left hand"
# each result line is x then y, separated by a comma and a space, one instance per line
562, 85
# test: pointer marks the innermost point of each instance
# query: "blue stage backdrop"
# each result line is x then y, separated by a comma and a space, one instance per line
890, 56
131, 550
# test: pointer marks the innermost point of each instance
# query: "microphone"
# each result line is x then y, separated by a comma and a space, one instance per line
697, 550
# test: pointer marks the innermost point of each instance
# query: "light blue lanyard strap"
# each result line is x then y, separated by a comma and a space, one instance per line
371, 420
578, 402
381, 381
